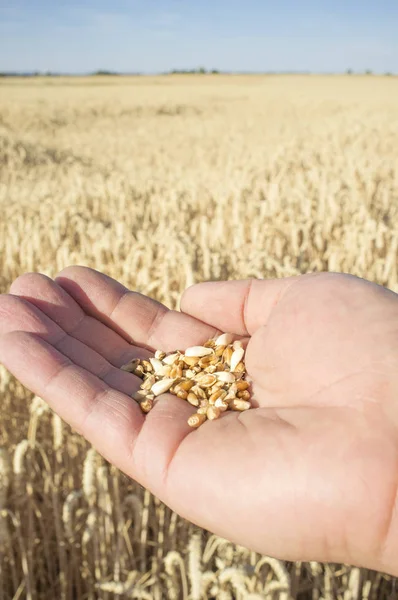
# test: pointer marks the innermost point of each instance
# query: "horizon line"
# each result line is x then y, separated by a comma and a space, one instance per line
197, 71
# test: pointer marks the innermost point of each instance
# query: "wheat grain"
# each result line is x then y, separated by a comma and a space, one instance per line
205, 380
198, 419
147, 405
131, 366
193, 399
225, 376
162, 386
224, 339
171, 358
197, 351
209, 378
157, 365
221, 404
236, 357
238, 404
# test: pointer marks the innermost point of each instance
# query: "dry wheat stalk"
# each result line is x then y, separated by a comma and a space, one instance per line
209, 584
280, 571
195, 565
209, 377
129, 589
172, 561
89, 479
235, 577
353, 591
119, 587
5, 472
68, 510
19, 455
16, 521
225, 594
90, 528
38, 408
211, 547
57, 431
276, 589
133, 503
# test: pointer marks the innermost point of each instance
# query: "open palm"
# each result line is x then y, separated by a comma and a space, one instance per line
311, 473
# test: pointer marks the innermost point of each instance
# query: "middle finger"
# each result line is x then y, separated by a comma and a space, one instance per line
61, 308
17, 314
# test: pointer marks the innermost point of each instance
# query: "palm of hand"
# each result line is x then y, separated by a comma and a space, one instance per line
305, 474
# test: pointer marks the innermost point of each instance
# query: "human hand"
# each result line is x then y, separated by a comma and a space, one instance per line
311, 474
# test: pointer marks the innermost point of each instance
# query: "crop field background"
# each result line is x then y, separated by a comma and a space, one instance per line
160, 183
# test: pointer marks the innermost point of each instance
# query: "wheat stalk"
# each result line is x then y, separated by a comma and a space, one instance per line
57, 432
68, 510
19, 455
174, 561
195, 566
5, 479
89, 479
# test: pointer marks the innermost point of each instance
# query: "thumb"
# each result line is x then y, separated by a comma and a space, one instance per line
239, 307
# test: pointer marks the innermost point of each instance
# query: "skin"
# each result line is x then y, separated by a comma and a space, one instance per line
310, 474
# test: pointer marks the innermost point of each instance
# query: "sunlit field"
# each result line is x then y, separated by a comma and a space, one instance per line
160, 183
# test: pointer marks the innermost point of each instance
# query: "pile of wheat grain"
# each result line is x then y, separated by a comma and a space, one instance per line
161, 182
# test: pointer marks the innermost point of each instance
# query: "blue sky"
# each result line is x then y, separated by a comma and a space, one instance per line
234, 35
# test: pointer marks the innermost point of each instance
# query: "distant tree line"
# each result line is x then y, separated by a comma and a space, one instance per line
197, 71
104, 72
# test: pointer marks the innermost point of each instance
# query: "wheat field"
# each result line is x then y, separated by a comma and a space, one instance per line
161, 182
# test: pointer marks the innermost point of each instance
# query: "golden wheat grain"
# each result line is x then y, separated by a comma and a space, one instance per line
210, 377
